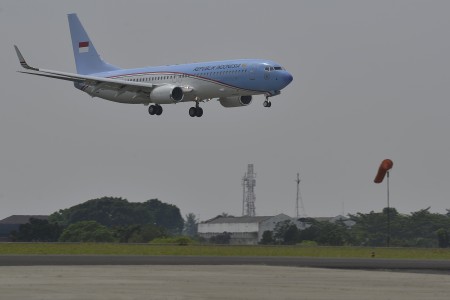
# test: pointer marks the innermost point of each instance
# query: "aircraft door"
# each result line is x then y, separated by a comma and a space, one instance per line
251, 72
267, 73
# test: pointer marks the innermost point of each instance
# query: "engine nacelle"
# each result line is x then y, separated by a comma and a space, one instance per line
166, 94
235, 101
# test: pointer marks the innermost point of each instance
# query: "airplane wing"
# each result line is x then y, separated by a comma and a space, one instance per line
98, 82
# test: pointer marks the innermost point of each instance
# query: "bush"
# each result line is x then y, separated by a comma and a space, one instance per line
308, 244
175, 240
86, 231
146, 234
223, 238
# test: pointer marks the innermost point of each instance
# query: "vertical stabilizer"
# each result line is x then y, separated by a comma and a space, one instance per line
87, 59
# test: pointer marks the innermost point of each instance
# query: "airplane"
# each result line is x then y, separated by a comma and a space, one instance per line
232, 82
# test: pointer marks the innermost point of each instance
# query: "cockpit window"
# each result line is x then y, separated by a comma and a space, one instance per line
278, 68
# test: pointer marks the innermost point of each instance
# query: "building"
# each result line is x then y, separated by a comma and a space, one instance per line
340, 218
13, 222
244, 230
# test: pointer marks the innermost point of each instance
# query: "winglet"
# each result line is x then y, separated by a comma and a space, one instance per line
22, 61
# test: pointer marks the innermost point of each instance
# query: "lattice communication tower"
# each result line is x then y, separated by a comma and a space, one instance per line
248, 185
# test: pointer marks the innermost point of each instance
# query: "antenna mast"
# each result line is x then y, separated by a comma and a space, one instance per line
248, 183
299, 199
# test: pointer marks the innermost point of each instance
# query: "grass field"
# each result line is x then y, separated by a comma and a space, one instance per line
210, 250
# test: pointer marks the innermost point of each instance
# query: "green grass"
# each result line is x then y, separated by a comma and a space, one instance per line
207, 250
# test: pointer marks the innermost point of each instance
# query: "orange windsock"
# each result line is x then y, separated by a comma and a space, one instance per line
385, 166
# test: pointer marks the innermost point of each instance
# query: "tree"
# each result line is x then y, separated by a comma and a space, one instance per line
165, 215
147, 233
331, 234
325, 233
123, 233
443, 239
37, 230
286, 233
86, 231
190, 225
108, 211
370, 229
267, 238
111, 212
415, 230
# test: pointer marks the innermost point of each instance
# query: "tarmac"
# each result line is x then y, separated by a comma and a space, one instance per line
407, 265
214, 282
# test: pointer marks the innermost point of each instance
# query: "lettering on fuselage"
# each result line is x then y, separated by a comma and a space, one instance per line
217, 67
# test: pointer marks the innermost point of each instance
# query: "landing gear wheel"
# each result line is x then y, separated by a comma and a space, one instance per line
159, 110
196, 111
155, 110
267, 103
192, 111
199, 112
152, 110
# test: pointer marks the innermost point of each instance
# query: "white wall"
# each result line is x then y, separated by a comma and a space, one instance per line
227, 227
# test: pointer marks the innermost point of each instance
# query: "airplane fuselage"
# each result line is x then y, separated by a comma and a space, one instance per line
201, 81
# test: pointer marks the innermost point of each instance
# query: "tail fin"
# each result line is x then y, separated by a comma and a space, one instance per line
87, 59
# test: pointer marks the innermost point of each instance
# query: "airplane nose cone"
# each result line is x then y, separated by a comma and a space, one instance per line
287, 78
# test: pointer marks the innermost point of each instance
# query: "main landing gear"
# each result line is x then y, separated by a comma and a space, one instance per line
196, 111
155, 110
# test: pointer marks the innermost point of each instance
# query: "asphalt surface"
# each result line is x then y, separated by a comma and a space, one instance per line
198, 282
408, 265
99, 277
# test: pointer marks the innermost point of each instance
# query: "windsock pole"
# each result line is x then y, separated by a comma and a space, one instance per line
388, 239
383, 171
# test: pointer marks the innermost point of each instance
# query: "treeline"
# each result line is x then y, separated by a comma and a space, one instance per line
106, 219
418, 229
111, 219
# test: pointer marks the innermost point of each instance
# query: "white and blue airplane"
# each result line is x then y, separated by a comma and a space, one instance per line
232, 82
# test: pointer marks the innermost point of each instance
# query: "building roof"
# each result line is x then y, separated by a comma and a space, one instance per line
244, 219
22, 219
323, 219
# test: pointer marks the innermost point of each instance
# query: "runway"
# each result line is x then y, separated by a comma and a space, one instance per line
251, 282
408, 265
212, 277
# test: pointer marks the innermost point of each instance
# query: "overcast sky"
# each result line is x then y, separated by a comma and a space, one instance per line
371, 81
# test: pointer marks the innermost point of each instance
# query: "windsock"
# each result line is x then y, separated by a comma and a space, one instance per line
385, 166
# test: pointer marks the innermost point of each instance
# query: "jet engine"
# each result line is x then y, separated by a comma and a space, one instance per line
166, 94
236, 101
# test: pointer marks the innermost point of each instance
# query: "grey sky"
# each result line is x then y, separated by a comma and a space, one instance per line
371, 81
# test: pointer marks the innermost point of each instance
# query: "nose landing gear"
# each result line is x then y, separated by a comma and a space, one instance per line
267, 102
